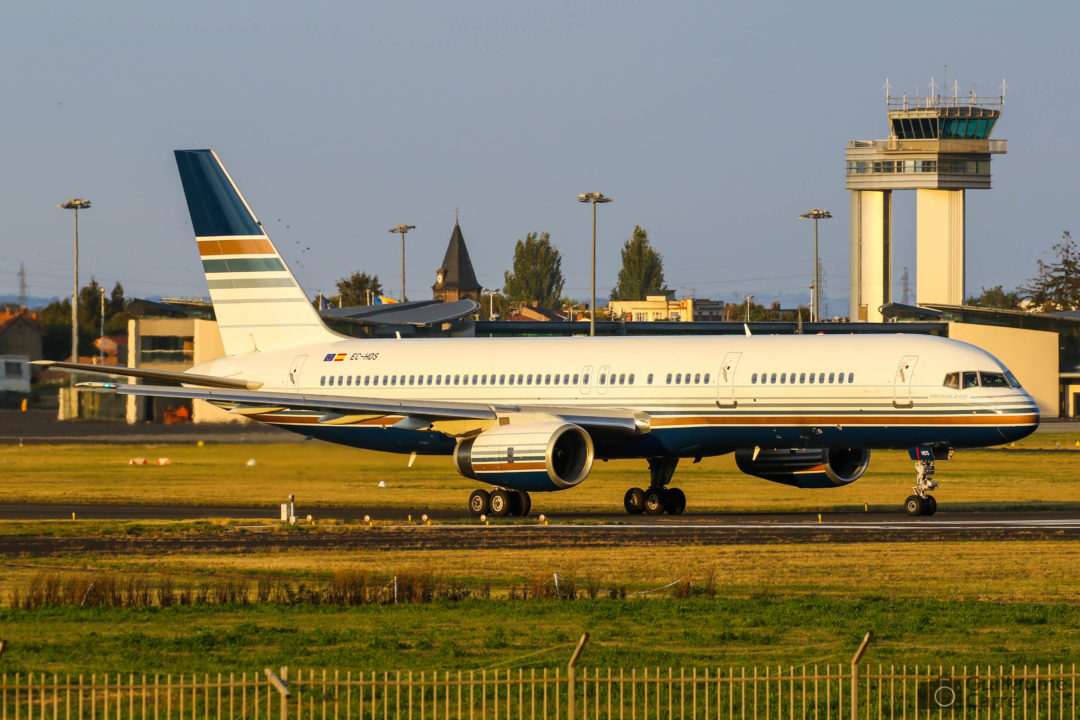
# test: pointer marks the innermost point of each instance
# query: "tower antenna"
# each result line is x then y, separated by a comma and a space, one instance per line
22, 286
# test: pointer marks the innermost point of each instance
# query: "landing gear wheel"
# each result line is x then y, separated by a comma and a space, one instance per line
914, 505
520, 503
929, 505
500, 503
675, 502
634, 501
654, 501
479, 503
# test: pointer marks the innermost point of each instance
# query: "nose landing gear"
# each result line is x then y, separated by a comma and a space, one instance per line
922, 503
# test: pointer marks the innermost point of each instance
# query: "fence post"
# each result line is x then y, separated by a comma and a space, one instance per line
570, 675
854, 695
282, 686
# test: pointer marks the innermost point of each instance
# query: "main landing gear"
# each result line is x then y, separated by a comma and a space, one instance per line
499, 503
922, 503
659, 498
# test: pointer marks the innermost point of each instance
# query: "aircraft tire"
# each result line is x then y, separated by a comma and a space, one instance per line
914, 505
479, 503
634, 501
525, 503
930, 505
675, 501
500, 503
654, 501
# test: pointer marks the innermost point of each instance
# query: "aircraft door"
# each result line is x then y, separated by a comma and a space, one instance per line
603, 379
902, 381
586, 380
725, 379
293, 383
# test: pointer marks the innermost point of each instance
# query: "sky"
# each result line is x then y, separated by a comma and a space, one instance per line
713, 125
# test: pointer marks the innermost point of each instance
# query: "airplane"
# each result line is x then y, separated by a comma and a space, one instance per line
528, 415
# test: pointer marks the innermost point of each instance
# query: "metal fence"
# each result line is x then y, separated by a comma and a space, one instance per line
843, 692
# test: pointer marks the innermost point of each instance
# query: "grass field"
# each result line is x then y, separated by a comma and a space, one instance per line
1038, 472
939, 602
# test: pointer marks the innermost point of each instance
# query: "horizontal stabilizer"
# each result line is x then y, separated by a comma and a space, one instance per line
164, 376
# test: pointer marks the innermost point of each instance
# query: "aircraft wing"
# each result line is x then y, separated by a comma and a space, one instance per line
335, 407
163, 376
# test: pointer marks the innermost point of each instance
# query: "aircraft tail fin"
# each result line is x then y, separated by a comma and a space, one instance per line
258, 302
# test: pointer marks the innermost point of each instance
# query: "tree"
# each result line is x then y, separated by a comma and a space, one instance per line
55, 320
1057, 286
995, 297
353, 290
642, 270
537, 276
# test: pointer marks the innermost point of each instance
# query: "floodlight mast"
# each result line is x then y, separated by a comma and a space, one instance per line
593, 198
75, 204
816, 215
402, 229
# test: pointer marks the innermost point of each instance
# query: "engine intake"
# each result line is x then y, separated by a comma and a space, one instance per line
532, 456
806, 467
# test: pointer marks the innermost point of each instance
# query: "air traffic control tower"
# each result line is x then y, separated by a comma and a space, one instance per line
939, 147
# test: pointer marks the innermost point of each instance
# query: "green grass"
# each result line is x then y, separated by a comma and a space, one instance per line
1034, 474
500, 634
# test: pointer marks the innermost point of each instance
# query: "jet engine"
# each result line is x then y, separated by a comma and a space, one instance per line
532, 456
805, 467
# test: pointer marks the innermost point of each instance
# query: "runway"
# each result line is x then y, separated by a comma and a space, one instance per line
392, 531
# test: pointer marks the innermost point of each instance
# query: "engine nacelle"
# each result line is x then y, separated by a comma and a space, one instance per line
806, 467
533, 456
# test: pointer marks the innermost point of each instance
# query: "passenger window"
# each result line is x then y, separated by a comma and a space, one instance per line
631, 378
483, 379
952, 380
970, 380
678, 378
566, 379
697, 378
832, 376
850, 378
412, 379
521, 378
669, 378
648, 380
783, 378
464, 379
802, 378
993, 379
428, 379
622, 379
706, 378
438, 379
528, 379
511, 379
773, 378
603, 377
585, 379
556, 378
322, 380
457, 379
821, 379
753, 379
811, 378
393, 379
547, 379
502, 379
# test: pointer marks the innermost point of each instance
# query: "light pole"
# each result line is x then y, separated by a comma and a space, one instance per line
402, 229
75, 204
101, 340
815, 215
491, 301
594, 198
748, 298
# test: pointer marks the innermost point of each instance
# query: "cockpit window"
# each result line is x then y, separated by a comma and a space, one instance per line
1012, 379
993, 379
970, 380
952, 380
